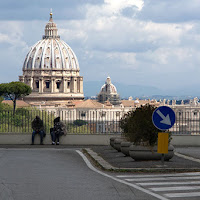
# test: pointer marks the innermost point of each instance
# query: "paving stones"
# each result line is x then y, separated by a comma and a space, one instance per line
117, 161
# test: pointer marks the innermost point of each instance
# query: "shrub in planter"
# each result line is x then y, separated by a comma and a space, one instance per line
138, 128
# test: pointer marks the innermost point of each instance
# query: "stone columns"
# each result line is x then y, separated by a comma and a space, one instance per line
68, 85
81, 85
31, 83
65, 85
41, 85
52, 85
75, 85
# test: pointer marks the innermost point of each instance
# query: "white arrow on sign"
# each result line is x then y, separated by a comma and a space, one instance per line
166, 120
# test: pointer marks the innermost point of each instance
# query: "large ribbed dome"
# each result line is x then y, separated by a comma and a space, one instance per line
51, 69
51, 52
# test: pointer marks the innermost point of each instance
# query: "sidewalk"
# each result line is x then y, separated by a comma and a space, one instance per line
186, 159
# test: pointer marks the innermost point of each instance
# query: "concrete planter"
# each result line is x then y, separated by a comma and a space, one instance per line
117, 144
125, 147
112, 139
145, 153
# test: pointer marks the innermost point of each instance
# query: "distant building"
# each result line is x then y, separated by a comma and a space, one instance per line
109, 93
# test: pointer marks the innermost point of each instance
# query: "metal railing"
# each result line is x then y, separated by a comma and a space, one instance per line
89, 122
76, 122
187, 122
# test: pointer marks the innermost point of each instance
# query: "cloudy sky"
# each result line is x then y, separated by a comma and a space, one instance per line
135, 42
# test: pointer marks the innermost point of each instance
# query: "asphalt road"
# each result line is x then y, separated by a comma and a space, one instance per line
60, 174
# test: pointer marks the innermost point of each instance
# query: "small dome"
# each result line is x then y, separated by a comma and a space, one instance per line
109, 93
108, 87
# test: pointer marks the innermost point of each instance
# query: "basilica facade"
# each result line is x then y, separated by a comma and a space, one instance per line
51, 69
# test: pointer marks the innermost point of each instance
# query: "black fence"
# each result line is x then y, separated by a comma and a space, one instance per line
187, 122
20, 122
76, 122
89, 122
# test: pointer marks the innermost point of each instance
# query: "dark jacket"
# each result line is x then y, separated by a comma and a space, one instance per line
37, 124
59, 127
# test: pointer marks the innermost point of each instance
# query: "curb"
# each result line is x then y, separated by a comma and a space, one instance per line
99, 160
104, 165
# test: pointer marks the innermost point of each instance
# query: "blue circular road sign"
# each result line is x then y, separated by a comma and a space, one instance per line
163, 118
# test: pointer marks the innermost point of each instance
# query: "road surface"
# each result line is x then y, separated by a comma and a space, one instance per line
60, 174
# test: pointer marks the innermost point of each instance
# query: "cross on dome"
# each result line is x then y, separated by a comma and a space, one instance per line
51, 18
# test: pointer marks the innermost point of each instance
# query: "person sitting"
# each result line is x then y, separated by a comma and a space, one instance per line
38, 128
58, 130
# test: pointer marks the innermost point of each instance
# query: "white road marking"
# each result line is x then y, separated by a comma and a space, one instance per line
163, 178
187, 157
119, 180
188, 194
33, 149
170, 183
188, 182
158, 175
161, 189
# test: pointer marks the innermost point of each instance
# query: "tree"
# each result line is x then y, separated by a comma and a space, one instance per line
14, 90
79, 122
1, 99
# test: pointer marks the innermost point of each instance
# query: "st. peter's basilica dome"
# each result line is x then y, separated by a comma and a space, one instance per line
51, 52
51, 69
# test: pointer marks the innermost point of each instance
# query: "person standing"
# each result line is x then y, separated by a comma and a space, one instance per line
38, 128
58, 130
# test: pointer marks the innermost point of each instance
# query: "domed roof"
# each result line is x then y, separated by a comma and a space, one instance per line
108, 87
51, 52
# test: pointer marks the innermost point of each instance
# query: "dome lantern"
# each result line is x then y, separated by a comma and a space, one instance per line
51, 30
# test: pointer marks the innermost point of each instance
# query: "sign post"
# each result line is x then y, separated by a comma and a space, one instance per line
163, 118
163, 144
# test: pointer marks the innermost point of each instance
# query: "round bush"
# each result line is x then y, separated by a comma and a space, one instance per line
137, 126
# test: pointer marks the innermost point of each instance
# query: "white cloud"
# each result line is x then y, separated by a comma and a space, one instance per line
112, 8
4, 38
116, 6
125, 60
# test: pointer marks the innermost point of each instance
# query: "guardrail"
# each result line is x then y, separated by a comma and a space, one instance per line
77, 123
187, 122
89, 122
